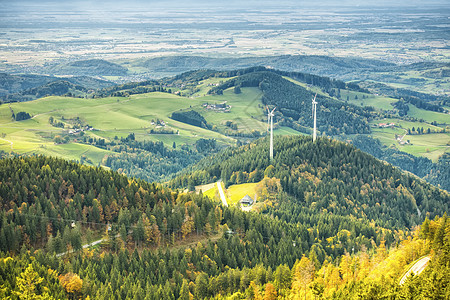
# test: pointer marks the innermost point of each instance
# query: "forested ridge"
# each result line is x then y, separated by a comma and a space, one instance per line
335, 215
326, 175
293, 101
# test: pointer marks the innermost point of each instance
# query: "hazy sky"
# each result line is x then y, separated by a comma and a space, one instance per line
236, 3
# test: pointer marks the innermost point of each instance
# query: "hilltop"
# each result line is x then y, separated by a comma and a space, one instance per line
325, 177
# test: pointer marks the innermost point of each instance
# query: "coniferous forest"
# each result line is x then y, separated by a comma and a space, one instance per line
335, 223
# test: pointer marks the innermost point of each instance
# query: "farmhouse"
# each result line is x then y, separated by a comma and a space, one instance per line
222, 107
246, 200
386, 125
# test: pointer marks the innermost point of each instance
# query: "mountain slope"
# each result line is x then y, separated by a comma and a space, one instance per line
326, 177
293, 101
316, 64
332, 200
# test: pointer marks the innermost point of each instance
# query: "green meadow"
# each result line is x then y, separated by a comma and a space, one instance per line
237, 191
428, 145
377, 102
118, 117
110, 117
246, 110
428, 116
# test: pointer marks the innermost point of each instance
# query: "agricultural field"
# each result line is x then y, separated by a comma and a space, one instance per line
109, 117
119, 116
428, 145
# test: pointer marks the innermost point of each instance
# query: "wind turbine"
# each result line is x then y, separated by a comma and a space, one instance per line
314, 114
270, 120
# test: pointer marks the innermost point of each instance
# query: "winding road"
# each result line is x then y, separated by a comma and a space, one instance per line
416, 269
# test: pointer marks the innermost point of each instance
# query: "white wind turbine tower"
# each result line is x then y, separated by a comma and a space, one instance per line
270, 120
314, 113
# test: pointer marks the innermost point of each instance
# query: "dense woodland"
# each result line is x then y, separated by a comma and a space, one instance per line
150, 161
323, 231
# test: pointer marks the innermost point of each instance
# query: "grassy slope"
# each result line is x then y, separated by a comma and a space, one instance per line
234, 193
116, 116
246, 109
112, 116
237, 191
428, 115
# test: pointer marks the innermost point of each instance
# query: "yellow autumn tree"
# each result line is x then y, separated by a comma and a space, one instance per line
271, 293
187, 226
253, 291
71, 282
303, 275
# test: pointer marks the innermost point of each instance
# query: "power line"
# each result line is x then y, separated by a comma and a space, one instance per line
170, 229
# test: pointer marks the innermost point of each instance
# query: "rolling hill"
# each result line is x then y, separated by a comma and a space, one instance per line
146, 110
315, 175
90, 67
29, 87
320, 65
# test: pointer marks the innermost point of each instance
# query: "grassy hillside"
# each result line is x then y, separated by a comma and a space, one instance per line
109, 116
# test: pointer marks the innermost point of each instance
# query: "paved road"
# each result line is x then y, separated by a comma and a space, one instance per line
417, 268
84, 246
222, 194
